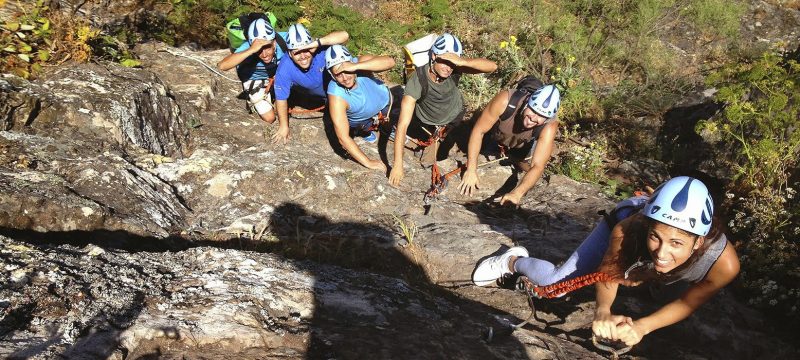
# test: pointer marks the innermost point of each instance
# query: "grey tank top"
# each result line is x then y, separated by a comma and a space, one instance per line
697, 271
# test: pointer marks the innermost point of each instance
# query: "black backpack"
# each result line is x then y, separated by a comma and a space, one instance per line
524, 88
246, 19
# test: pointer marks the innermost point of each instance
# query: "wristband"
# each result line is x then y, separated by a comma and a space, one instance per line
319, 43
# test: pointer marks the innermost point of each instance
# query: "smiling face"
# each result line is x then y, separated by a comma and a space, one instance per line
670, 247
267, 52
344, 78
442, 67
302, 58
531, 119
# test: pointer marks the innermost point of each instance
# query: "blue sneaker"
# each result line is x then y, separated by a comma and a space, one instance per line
391, 135
371, 137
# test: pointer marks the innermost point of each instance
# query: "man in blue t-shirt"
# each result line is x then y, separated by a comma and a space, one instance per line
356, 99
304, 71
256, 61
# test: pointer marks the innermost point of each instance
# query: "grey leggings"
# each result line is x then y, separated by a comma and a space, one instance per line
586, 258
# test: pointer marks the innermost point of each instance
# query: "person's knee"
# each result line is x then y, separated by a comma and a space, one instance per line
268, 116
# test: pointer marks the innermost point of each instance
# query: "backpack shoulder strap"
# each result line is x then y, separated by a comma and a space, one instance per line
282, 43
422, 82
514, 101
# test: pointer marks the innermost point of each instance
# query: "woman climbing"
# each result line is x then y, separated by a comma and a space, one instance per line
674, 240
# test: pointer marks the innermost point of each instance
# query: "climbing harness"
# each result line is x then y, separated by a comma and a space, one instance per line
439, 181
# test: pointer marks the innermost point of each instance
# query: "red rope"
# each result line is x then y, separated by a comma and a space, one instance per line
566, 286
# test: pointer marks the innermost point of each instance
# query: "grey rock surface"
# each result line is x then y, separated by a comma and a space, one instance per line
208, 241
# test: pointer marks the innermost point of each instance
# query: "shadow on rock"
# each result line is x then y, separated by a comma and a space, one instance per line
358, 320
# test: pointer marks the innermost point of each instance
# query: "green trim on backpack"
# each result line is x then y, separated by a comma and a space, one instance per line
235, 30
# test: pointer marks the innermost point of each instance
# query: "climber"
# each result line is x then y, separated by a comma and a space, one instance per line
526, 127
256, 61
356, 100
668, 239
304, 73
432, 98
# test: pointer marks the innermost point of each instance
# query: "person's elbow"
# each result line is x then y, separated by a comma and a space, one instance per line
491, 66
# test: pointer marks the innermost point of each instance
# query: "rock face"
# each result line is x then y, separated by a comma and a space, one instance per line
120, 243
70, 150
215, 303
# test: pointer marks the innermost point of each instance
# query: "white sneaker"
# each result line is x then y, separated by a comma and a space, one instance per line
493, 268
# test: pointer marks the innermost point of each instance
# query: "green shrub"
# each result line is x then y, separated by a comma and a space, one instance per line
758, 136
26, 42
582, 161
719, 18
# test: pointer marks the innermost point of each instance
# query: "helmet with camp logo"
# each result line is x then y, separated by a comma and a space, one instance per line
682, 202
545, 100
298, 37
447, 43
260, 29
335, 55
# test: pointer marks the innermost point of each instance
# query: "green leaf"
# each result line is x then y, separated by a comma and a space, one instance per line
27, 27
25, 48
12, 26
45, 24
130, 63
10, 48
24, 57
44, 55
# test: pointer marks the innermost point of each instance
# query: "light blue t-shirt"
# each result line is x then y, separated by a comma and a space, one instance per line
364, 100
289, 74
253, 68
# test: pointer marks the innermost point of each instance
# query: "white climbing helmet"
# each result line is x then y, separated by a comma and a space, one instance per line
447, 43
298, 36
682, 202
335, 55
260, 29
545, 100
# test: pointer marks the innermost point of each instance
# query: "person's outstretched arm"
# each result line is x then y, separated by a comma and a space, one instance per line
539, 159
368, 63
470, 65
334, 38
406, 112
721, 274
338, 110
489, 117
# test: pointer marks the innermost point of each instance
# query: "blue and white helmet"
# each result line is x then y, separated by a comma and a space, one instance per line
260, 29
335, 55
545, 100
447, 43
682, 202
298, 37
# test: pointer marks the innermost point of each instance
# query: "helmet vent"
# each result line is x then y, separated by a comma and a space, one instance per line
682, 197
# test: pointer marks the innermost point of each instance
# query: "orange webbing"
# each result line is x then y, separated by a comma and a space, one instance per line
381, 120
303, 111
438, 134
567, 286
